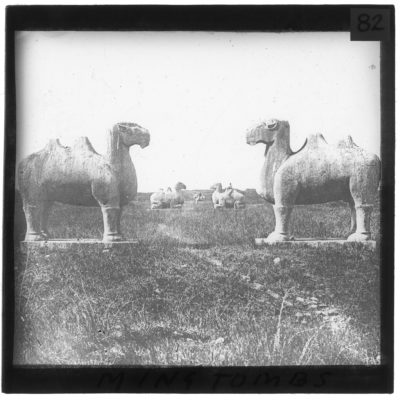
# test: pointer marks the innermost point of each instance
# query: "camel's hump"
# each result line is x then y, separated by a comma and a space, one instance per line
83, 143
54, 144
315, 141
346, 143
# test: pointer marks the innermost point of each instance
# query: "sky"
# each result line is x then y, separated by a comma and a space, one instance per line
197, 93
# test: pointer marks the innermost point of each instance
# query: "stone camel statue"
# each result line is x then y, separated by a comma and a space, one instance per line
169, 198
317, 173
78, 175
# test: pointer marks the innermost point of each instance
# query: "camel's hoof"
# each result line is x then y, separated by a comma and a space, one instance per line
34, 237
359, 237
277, 237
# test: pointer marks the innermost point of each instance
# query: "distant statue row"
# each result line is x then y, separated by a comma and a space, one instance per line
199, 197
317, 173
221, 198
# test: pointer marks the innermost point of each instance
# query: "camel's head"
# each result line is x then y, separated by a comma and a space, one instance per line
267, 132
131, 134
180, 186
216, 186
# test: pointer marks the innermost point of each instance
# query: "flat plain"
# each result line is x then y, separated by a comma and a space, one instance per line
196, 291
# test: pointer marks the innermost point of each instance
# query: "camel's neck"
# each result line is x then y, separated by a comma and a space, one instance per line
277, 153
275, 156
121, 162
118, 152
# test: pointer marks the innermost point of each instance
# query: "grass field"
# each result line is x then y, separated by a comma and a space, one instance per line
195, 291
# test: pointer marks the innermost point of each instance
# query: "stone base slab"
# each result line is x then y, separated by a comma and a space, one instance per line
71, 243
323, 243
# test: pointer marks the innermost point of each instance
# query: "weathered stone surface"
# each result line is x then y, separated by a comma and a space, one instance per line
228, 197
74, 243
326, 243
219, 196
169, 198
238, 198
317, 173
78, 175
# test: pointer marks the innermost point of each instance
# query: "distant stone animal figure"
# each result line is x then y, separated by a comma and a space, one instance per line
317, 173
168, 199
238, 197
199, 197
228, 197
169, 196
78, 175
219, 196
158, 200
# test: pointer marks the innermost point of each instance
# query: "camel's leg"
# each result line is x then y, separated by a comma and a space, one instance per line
111, 217
282, 219
106, 192
363, 219
32, 216
285, 194
363, 185
353, 220
119, 221
46, 209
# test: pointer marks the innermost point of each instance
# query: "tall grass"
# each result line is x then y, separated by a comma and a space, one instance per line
195, 291
201, 224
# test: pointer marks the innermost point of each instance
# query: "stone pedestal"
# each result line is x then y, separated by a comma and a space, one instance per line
321, 243
74, 243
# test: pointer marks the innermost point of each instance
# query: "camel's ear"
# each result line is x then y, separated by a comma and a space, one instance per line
272, 124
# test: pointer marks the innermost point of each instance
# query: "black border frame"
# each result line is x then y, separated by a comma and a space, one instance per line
302, 379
